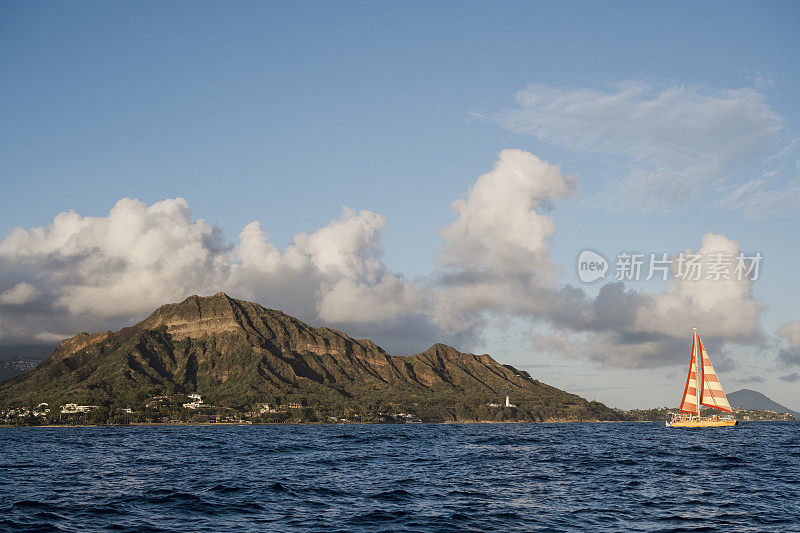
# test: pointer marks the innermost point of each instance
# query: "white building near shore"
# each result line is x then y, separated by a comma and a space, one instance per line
73, 408
196, 403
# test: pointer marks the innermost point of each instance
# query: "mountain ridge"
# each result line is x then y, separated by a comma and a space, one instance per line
237, 353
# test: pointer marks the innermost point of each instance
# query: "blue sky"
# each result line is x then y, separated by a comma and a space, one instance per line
283, 113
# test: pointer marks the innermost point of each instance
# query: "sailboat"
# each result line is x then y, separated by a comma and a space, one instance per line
709, 394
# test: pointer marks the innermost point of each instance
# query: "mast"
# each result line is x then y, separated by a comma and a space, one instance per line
698, 368
711, 392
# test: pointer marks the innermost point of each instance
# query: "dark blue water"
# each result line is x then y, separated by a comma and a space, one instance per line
401, 477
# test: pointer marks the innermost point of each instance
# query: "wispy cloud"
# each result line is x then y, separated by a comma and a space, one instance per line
790, 331
789, 357
674, 142
773, 192
794, 377
751, 379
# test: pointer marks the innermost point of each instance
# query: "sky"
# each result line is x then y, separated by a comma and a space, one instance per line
414, 172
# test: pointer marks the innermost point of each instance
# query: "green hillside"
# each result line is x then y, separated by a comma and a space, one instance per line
237, 354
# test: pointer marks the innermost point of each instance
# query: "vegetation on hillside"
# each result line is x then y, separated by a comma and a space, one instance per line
239, 355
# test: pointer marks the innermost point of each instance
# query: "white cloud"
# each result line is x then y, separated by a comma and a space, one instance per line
334, 274
501, 226
496, 253
639, 329
675, 142
134, 259
21, 293
104, 271
388, 299
789, 357
778, 188
722, 308
626, 328
758, 198
496, 259
83, 273
790, 331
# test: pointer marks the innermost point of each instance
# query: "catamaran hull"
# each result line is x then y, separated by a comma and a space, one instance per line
702, 423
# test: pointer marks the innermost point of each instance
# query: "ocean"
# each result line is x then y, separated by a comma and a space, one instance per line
414, 477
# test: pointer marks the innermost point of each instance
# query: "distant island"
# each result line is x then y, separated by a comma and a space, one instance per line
750, 400
218, 359
748, 405
12, 367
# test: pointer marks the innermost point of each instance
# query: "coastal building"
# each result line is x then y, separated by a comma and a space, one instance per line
262, 408
153, 402
508, 403
127, 411
73, 408
196, 403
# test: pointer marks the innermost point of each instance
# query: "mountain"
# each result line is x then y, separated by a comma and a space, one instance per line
15, 366
755, 401
237, 353
17, 359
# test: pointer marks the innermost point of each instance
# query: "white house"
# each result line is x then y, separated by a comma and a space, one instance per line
72, 408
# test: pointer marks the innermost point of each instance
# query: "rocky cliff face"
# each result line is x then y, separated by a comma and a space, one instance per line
236, 353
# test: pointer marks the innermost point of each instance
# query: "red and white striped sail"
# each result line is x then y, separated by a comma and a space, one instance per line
689, 400
712, 394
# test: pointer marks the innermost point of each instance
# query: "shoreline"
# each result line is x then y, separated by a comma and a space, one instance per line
208, 424
211, 424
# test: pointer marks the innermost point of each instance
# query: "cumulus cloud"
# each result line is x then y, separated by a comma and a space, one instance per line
83, 273
675, 142
21, 293
501, 227
790, 331
132, 260
103, 272
637, 329
335, 274
724, 307
789, 356
496, 259
495, 254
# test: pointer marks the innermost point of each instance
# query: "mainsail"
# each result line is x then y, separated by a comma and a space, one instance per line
689, 402
712, 394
